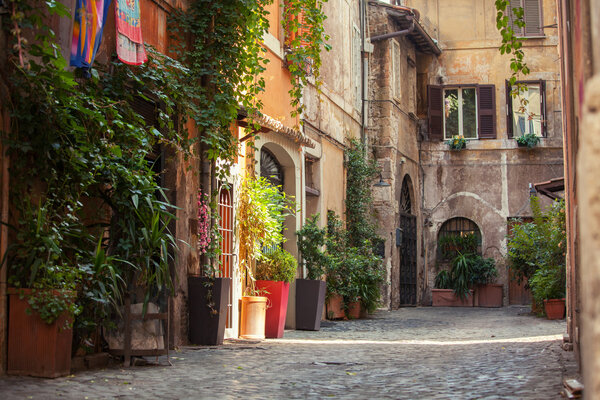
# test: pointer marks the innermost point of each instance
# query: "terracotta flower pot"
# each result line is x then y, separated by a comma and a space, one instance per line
36, 348
555, 308
354, 310
253, 311
447, 298
335, 307
489, 295
277, 294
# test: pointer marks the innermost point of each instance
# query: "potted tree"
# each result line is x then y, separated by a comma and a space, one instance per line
208, 293
274, 273
310, 292
261, 215
548, 286
484, 272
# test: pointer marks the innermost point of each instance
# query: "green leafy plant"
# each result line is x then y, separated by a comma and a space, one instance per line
262, 211
311, 240
461, 275
457, 142
277, 265
451, 245
483, 270
548, 282
443, 280
529, 139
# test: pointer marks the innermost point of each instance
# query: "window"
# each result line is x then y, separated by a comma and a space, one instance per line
460, 113
396, 71
526, 112
459, 227
468, 110
532, 16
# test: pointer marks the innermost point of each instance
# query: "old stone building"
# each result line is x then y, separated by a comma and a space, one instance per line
444, 76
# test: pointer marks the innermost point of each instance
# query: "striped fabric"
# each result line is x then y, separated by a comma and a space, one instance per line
90, 16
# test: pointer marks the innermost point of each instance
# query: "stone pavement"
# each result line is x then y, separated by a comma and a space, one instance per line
411, 353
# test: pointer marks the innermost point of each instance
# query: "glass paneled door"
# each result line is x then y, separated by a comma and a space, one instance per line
227, 258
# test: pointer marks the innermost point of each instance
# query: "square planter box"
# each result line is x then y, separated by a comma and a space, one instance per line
36, 348
310, 299
489, 295
206, 324
447, 298
277, 294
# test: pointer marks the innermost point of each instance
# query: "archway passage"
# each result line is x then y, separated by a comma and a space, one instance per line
408, 246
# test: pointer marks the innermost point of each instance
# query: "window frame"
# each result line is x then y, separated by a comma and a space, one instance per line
510, 110
460, 112
396, 68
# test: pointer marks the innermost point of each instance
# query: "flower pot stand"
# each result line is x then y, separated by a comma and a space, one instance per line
277, 294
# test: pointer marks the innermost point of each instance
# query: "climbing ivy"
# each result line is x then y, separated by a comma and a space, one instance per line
303, 22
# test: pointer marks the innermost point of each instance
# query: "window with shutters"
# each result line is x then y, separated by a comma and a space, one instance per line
526, 113
396, 71
466, 110
532, 16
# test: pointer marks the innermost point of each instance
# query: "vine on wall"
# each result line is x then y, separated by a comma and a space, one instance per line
305, 37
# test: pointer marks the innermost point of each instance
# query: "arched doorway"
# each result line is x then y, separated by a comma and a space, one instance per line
270, 168
408, 245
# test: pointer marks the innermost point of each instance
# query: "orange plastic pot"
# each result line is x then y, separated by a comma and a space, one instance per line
253, 310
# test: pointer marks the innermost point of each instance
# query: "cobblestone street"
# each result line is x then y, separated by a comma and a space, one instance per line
412, 353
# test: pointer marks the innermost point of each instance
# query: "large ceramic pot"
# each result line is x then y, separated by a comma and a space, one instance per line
335, 307
253, 310
447, 298
36, 348
555, 308
207, 304
354, 310
277, 294
310, 298
489, 295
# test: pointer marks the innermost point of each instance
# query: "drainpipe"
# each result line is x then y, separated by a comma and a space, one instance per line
394, 34
363, 70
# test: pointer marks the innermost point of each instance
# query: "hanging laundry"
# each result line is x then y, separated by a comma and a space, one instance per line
90, 16
130, 46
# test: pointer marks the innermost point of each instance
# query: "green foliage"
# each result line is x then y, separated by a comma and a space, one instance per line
451, 245
511, 43
443, 280
220, 44
303, 22
461, 274
457, 142
82, 156
278, 265
537, 251
311, 239
483, 270
539, 243
360, 172
262, 210
529, 139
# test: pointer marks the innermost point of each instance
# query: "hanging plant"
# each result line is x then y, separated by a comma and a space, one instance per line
204, 231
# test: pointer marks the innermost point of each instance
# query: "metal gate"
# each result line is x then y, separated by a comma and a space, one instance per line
226, 231
408, 260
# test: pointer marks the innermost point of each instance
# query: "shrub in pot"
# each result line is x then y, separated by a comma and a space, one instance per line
261, 215
548, 286
484, 272
310, 292
274, 273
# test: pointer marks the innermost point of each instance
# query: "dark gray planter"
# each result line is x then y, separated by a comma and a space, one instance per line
310, 298
205, 326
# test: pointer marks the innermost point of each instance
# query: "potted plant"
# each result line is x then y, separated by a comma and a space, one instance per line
274, 273
453, 288
548, 286
42, 306
310, 292
457, 142
261, 215
208, 293
484, 272
529, 140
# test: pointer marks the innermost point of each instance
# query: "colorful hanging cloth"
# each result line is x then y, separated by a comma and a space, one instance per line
130, 46
90, 16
